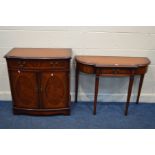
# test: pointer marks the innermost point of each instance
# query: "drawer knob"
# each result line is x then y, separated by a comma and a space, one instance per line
18, 71
118, 71
21, 63
52, 74
114, 71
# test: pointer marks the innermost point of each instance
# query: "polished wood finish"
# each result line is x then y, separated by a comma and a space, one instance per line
111, 66
113, 61
129, 93
37, 64
24, 86
76, 84
40, 80
39, 53
96, 92
59, 90
140, 87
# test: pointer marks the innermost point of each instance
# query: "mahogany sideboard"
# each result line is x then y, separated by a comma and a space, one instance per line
112, 66
40, 80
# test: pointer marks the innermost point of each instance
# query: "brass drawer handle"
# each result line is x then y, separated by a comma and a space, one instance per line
114, 71
51, 63
54, 63
21, 63
41, 89
102, 72
118, 71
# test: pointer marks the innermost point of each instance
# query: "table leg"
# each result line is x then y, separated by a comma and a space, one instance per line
140, 87
76, 83
129, 94
96, 93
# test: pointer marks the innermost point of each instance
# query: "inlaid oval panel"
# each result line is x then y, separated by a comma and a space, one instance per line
55, 90
25, 90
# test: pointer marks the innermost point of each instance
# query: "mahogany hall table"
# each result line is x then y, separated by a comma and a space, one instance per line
112, 66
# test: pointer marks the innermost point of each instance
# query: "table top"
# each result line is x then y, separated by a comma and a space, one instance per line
113, 61
39, 53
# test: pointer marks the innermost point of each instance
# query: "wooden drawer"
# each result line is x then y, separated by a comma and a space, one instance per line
115, 71
86, 68
38, 64
62, 64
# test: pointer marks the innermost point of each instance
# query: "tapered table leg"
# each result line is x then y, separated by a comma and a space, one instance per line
140, 87
76, 83
129, 94
96, 93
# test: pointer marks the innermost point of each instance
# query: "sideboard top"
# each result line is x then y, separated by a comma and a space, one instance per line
39, 53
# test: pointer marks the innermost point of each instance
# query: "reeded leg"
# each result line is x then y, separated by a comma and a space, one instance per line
140, 87
129, 94
76, 82
96, 93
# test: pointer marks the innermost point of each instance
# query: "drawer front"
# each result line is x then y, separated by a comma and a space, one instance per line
115, 71
86, 68
55, 64
142, 70
38, 64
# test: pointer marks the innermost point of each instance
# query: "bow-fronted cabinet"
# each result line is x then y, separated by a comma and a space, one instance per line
40, 80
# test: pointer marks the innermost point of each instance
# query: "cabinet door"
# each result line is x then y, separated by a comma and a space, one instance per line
55, 89
24, 89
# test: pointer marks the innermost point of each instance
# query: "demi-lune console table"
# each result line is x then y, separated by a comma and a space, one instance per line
111, 66
40, 80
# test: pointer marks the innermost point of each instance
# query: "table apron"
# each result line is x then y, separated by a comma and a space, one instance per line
111, 71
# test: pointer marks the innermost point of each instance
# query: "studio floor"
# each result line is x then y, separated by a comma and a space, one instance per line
109, 116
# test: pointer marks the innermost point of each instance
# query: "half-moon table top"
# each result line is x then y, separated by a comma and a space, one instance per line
112, 61
39, 53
